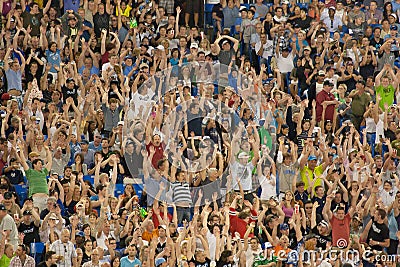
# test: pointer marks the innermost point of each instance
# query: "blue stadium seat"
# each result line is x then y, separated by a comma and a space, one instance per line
245, 5
303, 5
376, 25
269, 5
119, 189
138, 189
37, 250
22, 191
89, 178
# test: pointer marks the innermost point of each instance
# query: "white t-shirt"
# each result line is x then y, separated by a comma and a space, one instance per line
285, 65
244, 172
250, 255
8, 224
212, 244
268, 48
142, 100
268, 187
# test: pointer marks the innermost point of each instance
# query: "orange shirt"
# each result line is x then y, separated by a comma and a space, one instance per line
149, 236
279, 251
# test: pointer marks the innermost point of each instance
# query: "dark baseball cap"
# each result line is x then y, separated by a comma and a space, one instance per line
8, 195
27, 212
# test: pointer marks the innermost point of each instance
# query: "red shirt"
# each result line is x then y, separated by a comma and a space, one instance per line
330, 109
155, 219
239, 225
340, 231
159, 154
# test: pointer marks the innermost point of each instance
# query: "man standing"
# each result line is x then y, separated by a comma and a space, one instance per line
21, 258
264, 49
359, 104
378, 231
385, 88
36, 176
8, 226
340, 222
65, 248
28, 226
326, 102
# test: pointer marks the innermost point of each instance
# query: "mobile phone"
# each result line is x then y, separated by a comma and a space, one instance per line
296, 208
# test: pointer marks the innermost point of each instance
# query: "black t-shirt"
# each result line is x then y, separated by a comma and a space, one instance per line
304, 24
206, 263
160, 247
390, 134
376, 44
15, 176
217, 8
322, 240
292, 239
67, 92
31, 233
100, 22
321, 202
194, 122
378, 232
367, 70
223, 264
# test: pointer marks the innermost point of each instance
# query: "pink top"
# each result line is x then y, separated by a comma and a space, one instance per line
288, 211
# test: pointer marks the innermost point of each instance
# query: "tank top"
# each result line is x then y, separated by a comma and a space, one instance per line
370, 125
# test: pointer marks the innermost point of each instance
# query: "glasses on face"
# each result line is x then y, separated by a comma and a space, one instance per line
113, 243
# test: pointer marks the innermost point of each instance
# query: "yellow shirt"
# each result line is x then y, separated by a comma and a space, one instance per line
126, 12
317, 172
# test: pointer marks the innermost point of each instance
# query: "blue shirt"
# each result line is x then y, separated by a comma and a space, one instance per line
230, 15
69, 5
91, 146
95, 198
53, 58
125, 262
93, 70
14, 80
395, 6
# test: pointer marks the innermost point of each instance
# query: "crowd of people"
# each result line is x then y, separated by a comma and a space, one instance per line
131, 135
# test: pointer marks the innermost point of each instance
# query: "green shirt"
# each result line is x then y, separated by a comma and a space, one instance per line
4, 261
387, 95
261, 260
360, 104
37, 181
265, 137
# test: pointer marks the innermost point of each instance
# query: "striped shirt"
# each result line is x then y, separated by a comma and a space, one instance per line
66, 250
181, 192
16, 262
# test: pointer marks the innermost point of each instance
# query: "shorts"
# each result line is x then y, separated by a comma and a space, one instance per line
193, 6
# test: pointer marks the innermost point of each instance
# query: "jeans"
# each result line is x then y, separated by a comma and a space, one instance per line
371, 142
183, 214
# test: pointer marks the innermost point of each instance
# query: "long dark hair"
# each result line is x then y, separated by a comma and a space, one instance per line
224, 255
